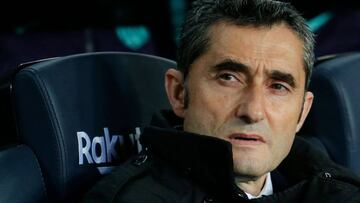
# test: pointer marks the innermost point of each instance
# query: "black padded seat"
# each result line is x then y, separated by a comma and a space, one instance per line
334, 120
21, 179
83, 114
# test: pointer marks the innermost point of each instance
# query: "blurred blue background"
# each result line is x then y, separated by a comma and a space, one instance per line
32, 30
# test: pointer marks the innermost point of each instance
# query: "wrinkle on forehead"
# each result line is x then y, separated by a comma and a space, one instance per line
272, 48
267, 40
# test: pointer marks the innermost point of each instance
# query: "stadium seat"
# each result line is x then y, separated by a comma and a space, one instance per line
80, 115
21, 179
83, 114
334, 120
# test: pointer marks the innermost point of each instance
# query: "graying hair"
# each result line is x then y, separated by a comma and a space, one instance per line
194, 39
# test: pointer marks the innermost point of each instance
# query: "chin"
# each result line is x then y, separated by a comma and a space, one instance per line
250, 169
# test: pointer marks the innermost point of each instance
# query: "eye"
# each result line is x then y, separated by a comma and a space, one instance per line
279, 88
227, 77
230, 79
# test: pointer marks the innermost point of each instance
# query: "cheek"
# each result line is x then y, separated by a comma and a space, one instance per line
283, 120
206, 110
196, 120
283, 115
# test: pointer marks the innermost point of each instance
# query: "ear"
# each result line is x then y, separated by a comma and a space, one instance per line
308, 100
175, 91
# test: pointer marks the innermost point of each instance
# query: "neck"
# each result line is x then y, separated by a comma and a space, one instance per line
252, 185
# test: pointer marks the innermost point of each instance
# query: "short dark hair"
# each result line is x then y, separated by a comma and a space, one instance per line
194, 39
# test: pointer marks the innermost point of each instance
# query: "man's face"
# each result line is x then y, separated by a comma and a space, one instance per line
248, 89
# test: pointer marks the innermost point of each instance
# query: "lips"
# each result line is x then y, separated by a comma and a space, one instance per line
246, 139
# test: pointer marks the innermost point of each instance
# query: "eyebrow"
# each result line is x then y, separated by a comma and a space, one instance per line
229, 64
232, 65
284, 77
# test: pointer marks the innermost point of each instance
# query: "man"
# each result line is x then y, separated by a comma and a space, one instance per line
238, 98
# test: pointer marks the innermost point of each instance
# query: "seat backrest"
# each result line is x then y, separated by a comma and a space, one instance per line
7, 123
82, 114
335, 115
21, 179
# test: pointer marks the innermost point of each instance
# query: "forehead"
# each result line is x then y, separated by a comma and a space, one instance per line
277, 46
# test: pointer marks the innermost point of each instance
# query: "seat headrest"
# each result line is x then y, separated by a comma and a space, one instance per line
335, 115
81, 114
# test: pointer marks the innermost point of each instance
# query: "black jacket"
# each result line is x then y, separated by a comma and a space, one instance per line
183, 167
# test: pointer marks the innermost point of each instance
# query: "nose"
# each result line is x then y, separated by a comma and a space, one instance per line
251, 105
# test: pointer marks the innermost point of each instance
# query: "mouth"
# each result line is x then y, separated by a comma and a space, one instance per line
246, 139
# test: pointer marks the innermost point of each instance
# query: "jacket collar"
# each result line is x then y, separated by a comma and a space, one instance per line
209, 160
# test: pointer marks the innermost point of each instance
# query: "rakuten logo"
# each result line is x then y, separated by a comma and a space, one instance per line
102, 149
